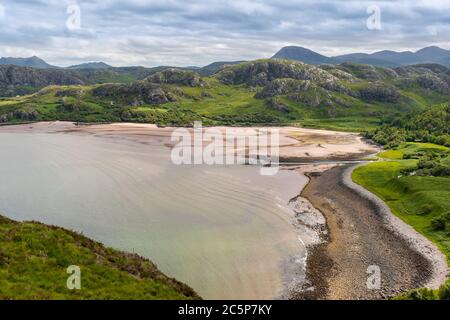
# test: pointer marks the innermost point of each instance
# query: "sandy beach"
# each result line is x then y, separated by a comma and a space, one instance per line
296, 144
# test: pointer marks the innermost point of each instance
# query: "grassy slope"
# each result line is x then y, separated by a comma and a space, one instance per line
415, 199
34, 258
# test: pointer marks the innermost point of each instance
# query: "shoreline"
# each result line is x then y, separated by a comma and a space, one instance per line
295, 144
417, 241
336, 268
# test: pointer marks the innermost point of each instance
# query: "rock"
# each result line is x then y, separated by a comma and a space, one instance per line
69, 93
135, 94
279, 87
20, 76
433, 82
380, 92
262, 72
177, 76
277, 105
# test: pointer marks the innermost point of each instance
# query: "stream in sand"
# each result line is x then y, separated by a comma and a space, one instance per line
225, 231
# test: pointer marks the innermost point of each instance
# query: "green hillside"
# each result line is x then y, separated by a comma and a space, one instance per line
34, 259
344, 97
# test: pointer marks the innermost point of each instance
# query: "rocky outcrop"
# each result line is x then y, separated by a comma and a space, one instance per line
26, 113
337, 72
261, 72
274, 104
177, 76
69, 93
279, 87
368, 72
429, 76
433, 82
135, 94
379, 91
297, 81
21, 76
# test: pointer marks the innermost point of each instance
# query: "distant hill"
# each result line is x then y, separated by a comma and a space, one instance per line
16, 80
303, 54
32, 62
365, 58
389, 58
212, 68
91, 65
385, 58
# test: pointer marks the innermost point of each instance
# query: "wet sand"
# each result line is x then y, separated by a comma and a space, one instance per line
360, 235
296, 144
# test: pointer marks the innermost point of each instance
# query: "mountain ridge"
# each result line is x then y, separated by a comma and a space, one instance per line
383, 58
90, 65
32, 62
307, 56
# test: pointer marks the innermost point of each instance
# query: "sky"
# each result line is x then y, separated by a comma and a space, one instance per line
198, 32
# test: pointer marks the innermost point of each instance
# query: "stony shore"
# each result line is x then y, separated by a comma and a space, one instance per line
362, 232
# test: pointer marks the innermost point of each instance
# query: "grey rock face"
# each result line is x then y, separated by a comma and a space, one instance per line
20, 76
176, 76
261, 72
135, 94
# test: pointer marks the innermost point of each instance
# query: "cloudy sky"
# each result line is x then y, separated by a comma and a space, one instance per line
197, 32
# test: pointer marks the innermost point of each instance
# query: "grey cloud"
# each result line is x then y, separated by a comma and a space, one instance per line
198, 32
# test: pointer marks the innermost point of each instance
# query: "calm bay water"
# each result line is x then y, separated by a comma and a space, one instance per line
225, 231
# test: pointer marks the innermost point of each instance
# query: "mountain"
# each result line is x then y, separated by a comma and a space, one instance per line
302, 54
385, 58
91, 65
394, 57
212, 68
434, 54
16, 80
388, 58
33, 62
364, 58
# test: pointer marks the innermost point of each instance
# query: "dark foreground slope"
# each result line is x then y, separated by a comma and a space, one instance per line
34, 259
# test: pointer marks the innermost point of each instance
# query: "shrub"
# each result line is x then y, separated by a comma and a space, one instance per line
427, 208
440, 222
444, 292
419, 294
26, 113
